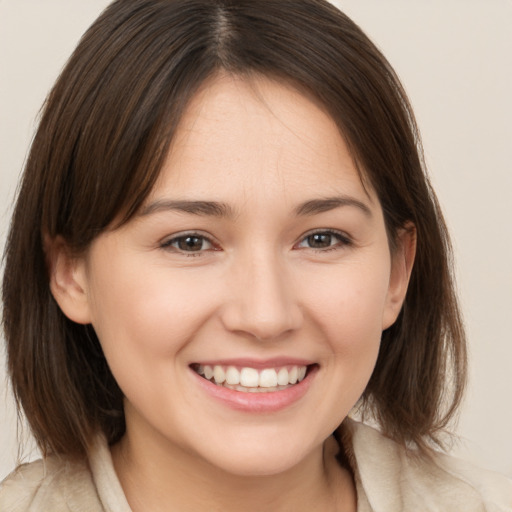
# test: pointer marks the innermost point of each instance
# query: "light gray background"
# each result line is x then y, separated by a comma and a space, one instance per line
455, 59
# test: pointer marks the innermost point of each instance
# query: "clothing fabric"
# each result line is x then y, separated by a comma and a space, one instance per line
388, 477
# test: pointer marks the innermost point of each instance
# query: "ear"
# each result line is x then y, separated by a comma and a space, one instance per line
68, 280
402, 261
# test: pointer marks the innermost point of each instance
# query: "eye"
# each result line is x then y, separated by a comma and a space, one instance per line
188, 243
323, 240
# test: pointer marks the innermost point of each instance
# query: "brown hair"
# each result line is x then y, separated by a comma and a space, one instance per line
104, 131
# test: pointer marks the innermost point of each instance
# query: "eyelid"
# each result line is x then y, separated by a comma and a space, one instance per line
343, 239
167, 242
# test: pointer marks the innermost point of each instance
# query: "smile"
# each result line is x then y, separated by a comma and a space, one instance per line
255, 387
252, 380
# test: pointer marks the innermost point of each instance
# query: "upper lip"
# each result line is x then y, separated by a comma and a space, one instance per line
276, 362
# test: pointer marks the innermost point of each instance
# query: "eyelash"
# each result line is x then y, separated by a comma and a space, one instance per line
169, 244
343, 241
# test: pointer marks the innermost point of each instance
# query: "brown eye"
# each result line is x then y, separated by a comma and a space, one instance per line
320, 240
323, 240
189, 243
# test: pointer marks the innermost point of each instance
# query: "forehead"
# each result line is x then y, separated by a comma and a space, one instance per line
253, 135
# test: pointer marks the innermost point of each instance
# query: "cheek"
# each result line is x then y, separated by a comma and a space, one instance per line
350, 302
149, 313
348, 309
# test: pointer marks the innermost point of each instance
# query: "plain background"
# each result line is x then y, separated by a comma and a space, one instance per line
455, 59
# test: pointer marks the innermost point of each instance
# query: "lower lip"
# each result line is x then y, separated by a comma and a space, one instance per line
272, 401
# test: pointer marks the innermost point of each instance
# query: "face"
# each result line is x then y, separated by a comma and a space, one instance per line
241, 310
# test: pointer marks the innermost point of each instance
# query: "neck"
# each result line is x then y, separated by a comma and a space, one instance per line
171, 479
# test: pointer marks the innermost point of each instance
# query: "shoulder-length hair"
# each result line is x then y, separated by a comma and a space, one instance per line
99, 147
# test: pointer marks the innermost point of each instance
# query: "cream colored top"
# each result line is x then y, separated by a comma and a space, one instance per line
388, 479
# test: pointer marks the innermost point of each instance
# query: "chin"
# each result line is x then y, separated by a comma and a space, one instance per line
247, 458
258, 465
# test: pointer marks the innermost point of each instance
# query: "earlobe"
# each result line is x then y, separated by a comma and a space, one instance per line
68, 282
402, 261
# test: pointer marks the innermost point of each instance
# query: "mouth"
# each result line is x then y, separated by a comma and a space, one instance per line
248, 379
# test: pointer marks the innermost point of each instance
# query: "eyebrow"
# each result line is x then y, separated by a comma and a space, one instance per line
223, 210
316, 206
204, 208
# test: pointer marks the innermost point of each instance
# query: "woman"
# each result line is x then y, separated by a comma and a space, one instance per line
224, 242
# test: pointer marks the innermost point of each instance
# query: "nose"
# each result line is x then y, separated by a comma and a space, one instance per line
262, 300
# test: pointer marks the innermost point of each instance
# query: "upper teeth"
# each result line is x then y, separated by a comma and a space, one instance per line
251, 377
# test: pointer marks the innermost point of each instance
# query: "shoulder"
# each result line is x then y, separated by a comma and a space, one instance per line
54, 484
394, 478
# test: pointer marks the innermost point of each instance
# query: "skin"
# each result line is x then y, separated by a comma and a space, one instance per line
256, 287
